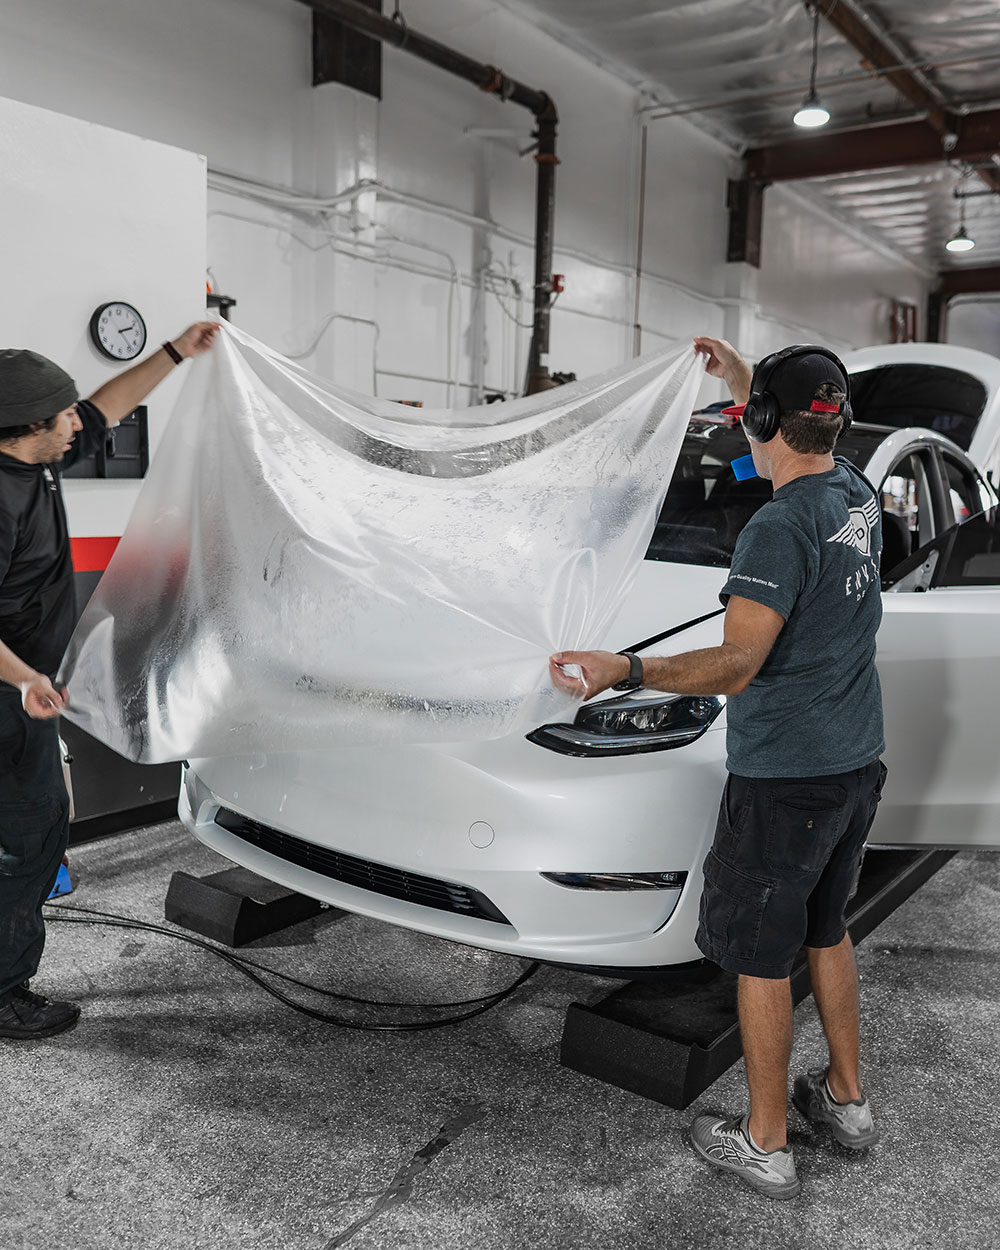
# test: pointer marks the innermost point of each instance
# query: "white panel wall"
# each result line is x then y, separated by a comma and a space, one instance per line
414, 302
825, 281
89, 215
226, 78
974, 321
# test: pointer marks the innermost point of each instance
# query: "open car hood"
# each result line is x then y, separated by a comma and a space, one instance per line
952, 390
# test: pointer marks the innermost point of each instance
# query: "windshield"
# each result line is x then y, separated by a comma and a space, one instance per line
929, 396
706, 507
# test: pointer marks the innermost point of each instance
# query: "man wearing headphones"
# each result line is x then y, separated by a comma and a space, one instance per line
804, 738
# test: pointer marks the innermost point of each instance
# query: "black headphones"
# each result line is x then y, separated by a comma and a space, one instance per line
761, 414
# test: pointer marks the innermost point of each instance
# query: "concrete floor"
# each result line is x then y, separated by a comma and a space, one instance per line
189, 1109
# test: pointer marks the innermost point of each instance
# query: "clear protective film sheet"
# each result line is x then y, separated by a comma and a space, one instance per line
307, 567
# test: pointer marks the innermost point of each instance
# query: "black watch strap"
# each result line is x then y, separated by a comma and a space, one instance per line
634, 679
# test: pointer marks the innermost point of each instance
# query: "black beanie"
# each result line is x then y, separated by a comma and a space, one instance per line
32, 388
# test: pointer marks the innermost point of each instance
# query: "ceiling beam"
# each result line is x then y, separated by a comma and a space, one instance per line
861, 31
969, 281
875, 147
881, 51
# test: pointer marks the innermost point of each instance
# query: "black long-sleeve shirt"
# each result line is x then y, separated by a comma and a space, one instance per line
37, 597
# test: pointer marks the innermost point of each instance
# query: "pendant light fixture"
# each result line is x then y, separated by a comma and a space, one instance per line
960, 241
812, 113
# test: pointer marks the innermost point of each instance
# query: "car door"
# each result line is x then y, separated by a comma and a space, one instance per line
939, 654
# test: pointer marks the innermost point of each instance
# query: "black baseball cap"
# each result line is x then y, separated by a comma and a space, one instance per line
794, 383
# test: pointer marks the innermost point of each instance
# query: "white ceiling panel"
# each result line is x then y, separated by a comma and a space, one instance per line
738, 68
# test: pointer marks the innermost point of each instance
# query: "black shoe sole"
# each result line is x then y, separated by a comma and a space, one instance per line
29, 1035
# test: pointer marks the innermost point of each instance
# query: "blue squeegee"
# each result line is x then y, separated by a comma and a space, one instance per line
744, 468
63, 884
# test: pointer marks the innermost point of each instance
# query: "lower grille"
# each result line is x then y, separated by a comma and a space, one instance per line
366, 874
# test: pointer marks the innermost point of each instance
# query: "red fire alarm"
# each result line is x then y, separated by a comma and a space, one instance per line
558, 283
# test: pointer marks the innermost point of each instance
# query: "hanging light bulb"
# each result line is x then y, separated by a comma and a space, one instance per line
960, 240
812, 113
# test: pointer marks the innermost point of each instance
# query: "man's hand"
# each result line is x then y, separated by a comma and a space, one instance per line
40, 699
722, 356
724, 361
125, 391
197, 338
750, 631
600, 670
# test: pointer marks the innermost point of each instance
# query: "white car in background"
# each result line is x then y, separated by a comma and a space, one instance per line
952, 390
582, 844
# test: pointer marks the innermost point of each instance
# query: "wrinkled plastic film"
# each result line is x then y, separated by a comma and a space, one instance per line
306, 567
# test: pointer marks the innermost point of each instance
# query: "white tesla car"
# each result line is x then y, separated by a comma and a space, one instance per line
582, 844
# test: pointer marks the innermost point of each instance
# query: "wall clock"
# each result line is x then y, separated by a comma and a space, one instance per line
118, 331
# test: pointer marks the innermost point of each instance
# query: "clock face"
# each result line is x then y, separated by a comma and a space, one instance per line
118, 331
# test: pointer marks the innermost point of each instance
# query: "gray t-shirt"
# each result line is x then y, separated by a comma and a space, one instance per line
812, 554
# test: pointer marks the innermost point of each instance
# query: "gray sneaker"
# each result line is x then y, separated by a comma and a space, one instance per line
850, 1123
727, 1144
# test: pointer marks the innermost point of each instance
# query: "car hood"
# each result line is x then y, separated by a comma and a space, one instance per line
981, 365
984, 446
665, 597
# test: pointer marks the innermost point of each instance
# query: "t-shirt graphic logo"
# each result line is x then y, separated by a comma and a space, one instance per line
858, 530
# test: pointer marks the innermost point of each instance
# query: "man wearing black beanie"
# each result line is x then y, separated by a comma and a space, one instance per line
42, 427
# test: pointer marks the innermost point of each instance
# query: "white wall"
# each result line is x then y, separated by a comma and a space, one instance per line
974, 321
402, 292
824, 280
89, 215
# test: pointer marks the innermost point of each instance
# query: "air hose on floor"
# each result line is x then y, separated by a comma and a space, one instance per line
253, 970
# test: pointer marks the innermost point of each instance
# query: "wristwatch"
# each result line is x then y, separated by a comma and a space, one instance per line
634, 679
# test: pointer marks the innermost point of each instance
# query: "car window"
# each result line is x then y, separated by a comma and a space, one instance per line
966, 496
907, 509
972, 557
706, 507
931, 397
965, 554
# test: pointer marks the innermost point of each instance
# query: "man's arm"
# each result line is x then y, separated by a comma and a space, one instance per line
125, 392
40, 698
751, 630
725, 362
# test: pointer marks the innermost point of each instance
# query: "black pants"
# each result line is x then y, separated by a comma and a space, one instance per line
34, 829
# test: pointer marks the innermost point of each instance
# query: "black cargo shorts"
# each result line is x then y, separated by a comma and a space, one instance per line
785, 861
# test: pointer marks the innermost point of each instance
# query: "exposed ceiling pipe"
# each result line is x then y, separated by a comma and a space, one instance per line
726, 99
494, 81
882, 51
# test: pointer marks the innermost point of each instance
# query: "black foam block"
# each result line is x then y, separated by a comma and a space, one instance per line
671, 1041
235, 906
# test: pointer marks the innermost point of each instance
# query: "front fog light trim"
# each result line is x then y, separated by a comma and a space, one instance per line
631, 726
618, 880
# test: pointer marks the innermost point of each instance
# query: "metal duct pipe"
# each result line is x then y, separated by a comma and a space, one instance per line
494, 81
538, 378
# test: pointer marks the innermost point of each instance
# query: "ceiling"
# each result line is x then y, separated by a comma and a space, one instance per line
739, 69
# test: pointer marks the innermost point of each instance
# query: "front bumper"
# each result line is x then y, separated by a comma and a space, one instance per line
486, 819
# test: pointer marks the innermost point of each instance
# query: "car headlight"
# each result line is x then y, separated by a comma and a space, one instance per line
630, 726
618, 880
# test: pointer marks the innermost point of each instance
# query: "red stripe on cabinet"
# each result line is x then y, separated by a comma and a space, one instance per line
91, 555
